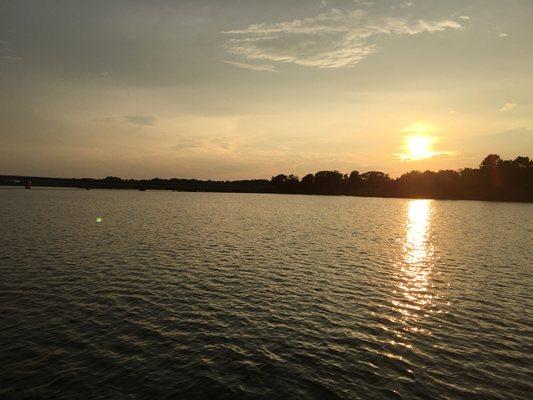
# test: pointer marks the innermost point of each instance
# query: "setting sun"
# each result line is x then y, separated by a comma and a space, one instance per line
419, 147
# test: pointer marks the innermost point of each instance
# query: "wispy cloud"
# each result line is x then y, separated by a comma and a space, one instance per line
407, 4
253, 67
332, 39
406, 157
465, 17
11, 58
7, 54
502, 34
143, 120
508, 107
363, 3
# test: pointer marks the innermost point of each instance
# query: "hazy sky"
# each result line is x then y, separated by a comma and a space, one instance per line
233, 89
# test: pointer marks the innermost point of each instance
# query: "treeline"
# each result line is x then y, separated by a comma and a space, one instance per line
495, 179
114, 182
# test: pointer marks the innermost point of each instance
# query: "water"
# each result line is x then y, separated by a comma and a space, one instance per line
204, 295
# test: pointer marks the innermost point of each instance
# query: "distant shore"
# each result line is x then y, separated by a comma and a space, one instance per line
252, 186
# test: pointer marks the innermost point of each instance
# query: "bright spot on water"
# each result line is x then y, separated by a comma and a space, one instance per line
98, 219
416, 268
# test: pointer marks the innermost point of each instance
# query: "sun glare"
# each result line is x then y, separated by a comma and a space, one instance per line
418, 142
419, 147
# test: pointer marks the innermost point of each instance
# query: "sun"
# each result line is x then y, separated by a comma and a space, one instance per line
418, 142
419, 147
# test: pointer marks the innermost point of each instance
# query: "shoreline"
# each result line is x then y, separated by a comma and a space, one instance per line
257, 190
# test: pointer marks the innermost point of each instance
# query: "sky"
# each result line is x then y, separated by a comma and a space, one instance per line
235, 89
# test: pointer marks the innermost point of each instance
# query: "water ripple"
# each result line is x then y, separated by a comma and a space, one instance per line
198, 295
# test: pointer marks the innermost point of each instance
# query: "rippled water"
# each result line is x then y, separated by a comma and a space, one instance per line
200, 295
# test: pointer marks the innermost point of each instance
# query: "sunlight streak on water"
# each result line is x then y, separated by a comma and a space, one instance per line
416, 248
416, 267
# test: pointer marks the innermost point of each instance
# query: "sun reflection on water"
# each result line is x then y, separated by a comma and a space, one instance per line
415, 245
415, 269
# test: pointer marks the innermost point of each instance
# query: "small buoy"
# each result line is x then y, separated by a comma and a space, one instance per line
98, 220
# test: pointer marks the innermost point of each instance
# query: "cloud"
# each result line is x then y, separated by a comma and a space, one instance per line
202, 144
253, 67
407, 4
510, 143
332, 39
502, 34
405, 157
508, 107
142, 120
363, 3
465, 17
11, 58
7, 54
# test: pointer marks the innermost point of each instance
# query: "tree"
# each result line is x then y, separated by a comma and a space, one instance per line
490, 162
286, 183
308, 183
308, 180
354, 179
279, 180
522, 162
328, 182
375, 178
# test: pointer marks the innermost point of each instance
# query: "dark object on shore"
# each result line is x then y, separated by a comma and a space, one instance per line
494, 180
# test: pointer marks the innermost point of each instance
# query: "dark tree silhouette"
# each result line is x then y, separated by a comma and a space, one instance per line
492, 161
307, 183
353, 182
495, 179
328, 182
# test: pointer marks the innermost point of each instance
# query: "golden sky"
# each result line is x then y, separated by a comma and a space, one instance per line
230, 89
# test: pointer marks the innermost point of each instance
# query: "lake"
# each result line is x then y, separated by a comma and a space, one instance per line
256, 296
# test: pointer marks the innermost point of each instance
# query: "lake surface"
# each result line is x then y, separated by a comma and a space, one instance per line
207, 295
